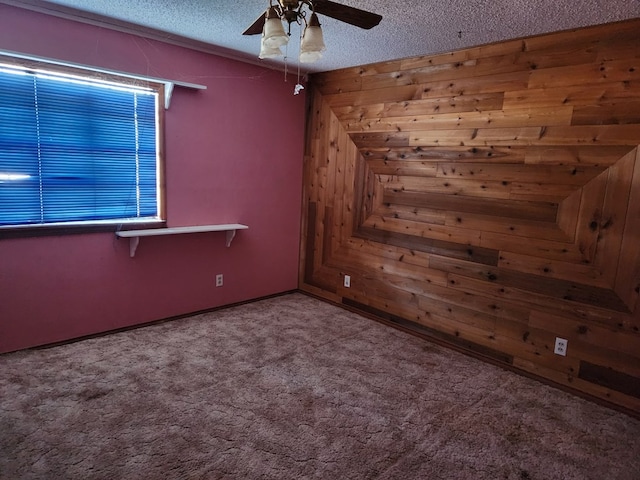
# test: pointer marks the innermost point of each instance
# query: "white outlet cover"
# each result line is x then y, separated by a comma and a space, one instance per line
561, 346
219, 280
347, 281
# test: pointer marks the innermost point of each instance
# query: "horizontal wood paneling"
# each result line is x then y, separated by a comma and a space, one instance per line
489, 198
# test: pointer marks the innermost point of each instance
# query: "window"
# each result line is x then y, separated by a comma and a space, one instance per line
77, 150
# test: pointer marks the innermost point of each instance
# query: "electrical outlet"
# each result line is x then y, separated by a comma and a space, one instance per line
561, 346
347, 281
219, 280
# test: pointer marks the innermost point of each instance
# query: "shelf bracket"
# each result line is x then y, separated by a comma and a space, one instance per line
230, 236
168, 91
133, 246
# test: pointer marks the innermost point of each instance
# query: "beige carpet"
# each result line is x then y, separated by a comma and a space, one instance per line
293, 388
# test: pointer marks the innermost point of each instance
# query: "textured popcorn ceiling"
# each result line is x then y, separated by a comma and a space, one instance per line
408, 28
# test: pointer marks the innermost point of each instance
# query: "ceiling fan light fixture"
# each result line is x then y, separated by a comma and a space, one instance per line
273, 34
270, 25
269, 52
312, 44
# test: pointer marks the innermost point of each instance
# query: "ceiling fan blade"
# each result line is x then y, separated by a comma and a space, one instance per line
345, 13
256, 27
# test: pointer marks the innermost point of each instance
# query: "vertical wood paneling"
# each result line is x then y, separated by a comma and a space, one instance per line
489, 197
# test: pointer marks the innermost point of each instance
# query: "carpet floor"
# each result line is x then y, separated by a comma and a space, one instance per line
293, 388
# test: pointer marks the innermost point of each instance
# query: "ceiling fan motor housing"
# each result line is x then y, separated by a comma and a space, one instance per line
289, 4
292, 10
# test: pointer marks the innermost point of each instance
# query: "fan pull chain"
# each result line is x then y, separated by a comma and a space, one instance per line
299, 86
286, 60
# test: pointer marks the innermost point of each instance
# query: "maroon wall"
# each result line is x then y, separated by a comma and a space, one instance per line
233, 154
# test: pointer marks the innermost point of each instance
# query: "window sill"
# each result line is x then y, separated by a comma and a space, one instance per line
62, 230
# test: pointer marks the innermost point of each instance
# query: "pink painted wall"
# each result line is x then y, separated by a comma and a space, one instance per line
233, 154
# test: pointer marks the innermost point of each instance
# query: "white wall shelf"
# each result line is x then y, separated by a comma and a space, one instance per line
134, 235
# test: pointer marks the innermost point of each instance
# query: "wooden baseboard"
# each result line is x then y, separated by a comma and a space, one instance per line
417, 330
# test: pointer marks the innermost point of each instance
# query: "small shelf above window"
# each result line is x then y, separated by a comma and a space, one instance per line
134, 235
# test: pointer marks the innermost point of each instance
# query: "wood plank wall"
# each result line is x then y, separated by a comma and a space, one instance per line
489, 197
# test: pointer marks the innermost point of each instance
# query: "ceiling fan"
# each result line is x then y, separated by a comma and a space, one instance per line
292, 11
270, 25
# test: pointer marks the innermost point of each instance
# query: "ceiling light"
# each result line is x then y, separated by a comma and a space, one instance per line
269, 52
274, 35
312, 44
